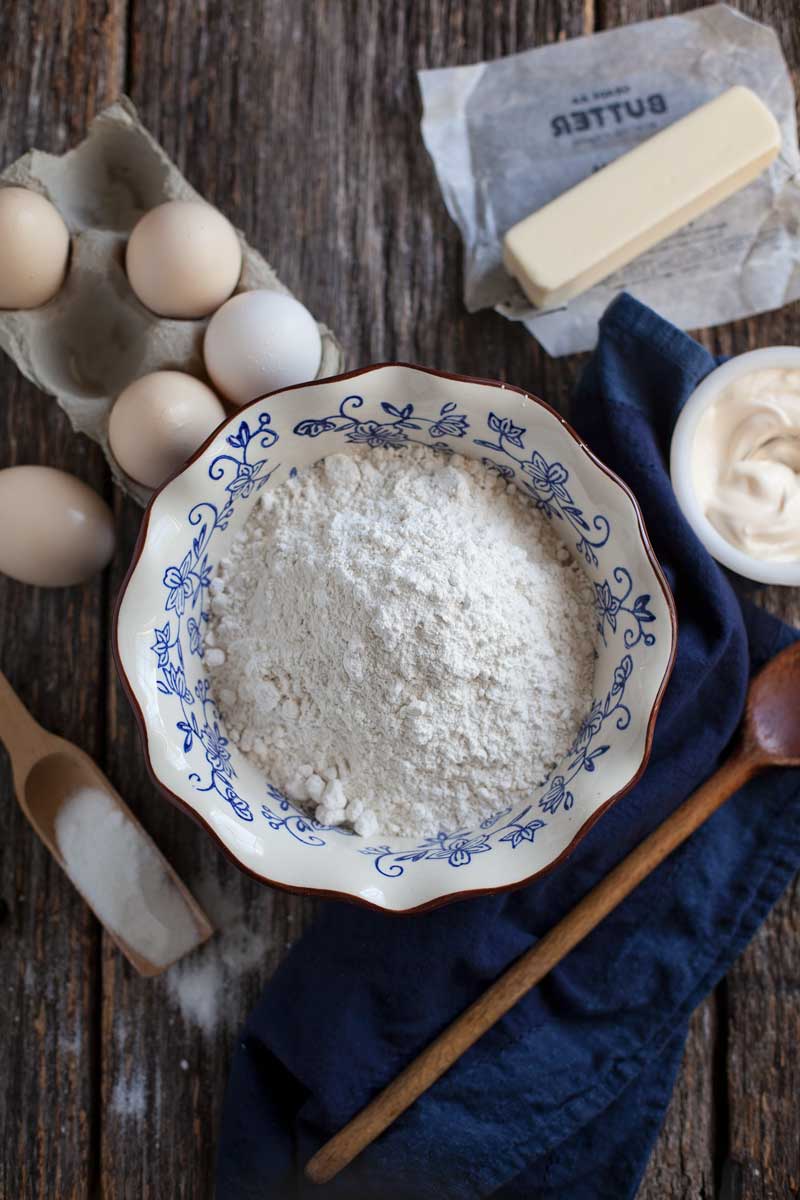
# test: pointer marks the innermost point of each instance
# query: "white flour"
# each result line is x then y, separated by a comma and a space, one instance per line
401, 642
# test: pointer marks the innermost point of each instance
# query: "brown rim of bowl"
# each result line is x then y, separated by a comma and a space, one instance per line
450, 897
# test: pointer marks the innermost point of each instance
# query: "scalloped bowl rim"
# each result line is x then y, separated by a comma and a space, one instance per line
444, 897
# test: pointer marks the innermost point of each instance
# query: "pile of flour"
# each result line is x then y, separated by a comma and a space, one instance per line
401, 642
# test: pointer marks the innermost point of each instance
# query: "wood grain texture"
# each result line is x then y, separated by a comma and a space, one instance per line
301, 121
682, 1163
59, 60
763, 1033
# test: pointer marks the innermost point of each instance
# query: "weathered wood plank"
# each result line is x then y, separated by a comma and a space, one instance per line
682, 1164
60, 60
763, 1066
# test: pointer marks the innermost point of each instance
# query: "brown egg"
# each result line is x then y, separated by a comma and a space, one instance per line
159, 421
34, 248
54, 530
183, 259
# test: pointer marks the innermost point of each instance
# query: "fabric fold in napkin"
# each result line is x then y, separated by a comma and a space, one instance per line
566, 1095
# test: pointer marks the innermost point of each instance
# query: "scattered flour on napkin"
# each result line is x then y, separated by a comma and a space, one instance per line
401, 642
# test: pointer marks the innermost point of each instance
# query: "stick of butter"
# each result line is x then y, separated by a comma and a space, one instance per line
616, 214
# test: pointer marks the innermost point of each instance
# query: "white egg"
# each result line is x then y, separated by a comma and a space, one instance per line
54, 529
159, 421
258, 342
183, 259
34, 249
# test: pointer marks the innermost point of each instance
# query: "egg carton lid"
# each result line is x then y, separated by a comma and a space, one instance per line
94, 337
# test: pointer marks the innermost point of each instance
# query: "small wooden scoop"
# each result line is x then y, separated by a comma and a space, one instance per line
770, 737
47, 770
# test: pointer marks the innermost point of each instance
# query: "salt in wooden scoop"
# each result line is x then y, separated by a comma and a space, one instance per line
95, 838
769, 737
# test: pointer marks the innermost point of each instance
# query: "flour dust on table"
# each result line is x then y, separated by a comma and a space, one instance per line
399, 640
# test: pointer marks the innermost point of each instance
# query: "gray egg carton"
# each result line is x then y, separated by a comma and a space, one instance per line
95, 337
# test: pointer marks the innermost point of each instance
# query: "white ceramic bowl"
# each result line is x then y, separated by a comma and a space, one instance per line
680, 466
189, 525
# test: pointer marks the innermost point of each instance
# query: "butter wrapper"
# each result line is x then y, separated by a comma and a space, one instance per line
508, 136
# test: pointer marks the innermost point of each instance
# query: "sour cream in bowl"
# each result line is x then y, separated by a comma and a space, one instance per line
735, 464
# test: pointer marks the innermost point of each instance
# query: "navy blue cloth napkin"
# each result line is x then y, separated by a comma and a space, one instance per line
565, 1096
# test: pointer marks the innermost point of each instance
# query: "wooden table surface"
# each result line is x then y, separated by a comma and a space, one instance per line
301, 121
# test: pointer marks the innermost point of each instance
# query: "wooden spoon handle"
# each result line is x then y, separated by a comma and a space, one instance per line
529, 969
22, 735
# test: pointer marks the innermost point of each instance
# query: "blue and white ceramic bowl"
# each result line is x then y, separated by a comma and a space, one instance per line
186, 531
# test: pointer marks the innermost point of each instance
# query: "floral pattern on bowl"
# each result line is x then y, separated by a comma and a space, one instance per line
163, 606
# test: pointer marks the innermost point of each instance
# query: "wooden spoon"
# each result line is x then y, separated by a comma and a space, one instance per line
769, 737
47, 770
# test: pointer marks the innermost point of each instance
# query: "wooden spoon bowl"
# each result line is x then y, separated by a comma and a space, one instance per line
48, 770
771, 727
